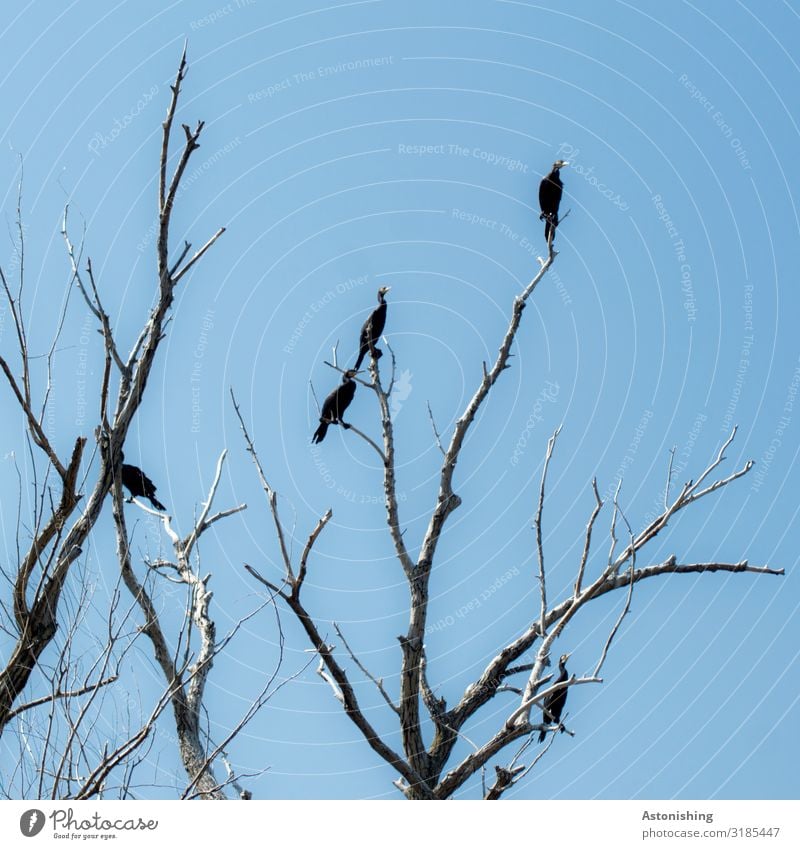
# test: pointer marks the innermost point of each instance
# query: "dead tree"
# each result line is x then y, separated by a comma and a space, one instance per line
425, 768
75, 758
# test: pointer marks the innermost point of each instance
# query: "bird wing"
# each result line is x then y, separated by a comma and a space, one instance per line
378, 322
543, 193
148, 487
346, 392
329, 406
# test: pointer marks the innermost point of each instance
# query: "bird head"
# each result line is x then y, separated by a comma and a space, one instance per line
382, 291
349, 374
562, 661
559, 163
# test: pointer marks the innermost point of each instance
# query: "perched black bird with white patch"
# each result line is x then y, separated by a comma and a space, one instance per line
138, 484
550, 190
372, 329
554, 703
335, 405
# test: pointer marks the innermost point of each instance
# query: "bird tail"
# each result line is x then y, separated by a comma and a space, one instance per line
319, 433
361, 354
542, 735
157, 504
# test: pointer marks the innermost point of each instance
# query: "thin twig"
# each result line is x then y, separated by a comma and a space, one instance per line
378, 682
538, 525
435, 431
588, 537
312, 538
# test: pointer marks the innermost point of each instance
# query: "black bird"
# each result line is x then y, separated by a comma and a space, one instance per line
372, 329
335, 405
550, 190
138, 484
554, 703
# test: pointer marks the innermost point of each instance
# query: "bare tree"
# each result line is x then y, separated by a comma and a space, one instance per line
428, 769
78, 736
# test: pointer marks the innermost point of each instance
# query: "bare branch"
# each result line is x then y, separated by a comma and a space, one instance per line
435, 432
614, 630
538, 525
337, 692
669, 477
197, 256
272, 496
447, 501
613, 529
93, 302
520, 713
688, 495
378, 682
58, 694
335, 675
370, 442
167, 130
203, 522
588, 538
312, 538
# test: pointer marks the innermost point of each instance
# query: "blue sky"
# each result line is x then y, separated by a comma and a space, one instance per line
379, 143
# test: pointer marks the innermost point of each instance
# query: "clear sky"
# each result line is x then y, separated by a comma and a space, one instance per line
349, 146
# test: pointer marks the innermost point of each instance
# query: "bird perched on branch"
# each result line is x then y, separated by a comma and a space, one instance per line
372, 329
335, 405
550, 190
138, 484
554, 703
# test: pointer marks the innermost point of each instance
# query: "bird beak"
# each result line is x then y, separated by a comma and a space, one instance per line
387, 288
568, 655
